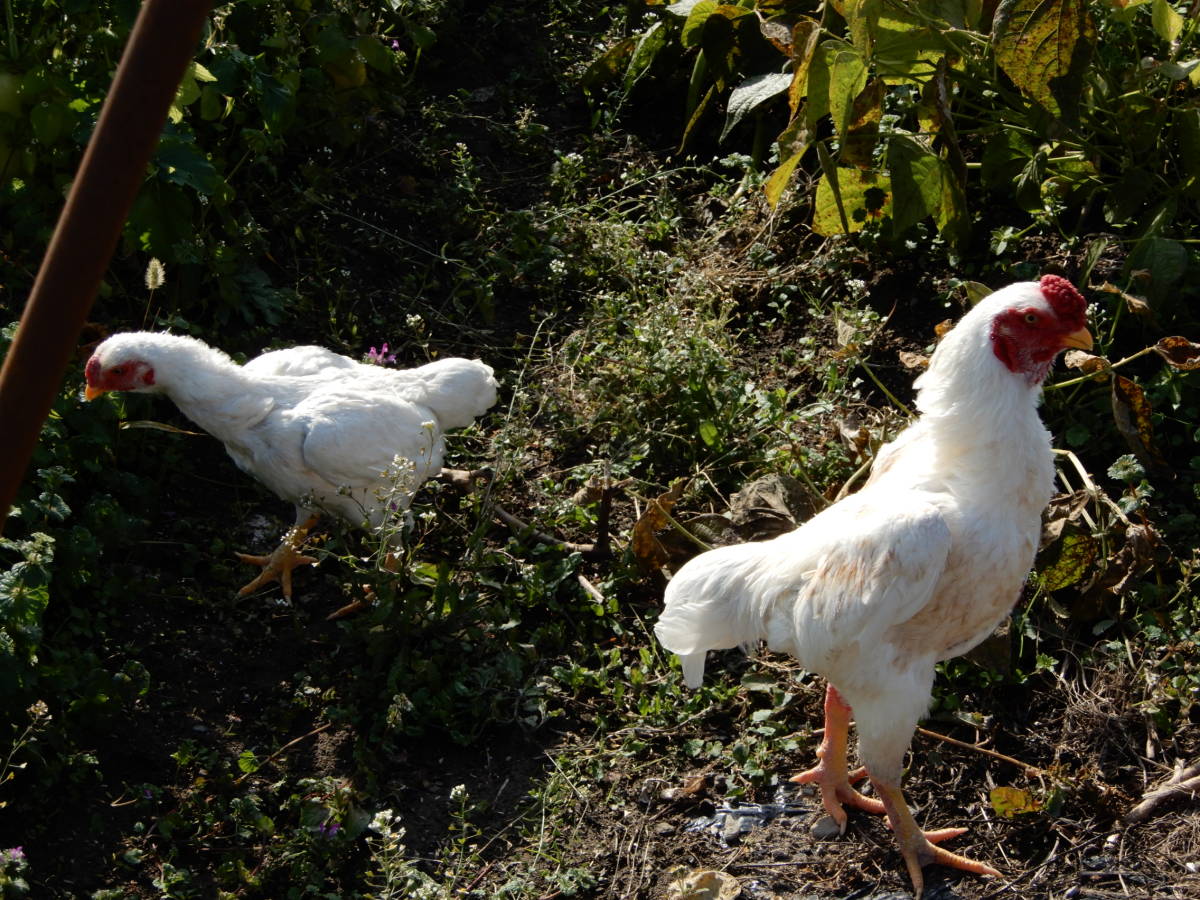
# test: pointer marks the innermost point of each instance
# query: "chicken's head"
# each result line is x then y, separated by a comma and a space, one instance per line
1038, 321
117, 367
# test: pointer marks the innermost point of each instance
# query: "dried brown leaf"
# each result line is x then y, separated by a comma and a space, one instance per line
1087, 363
647, 549
1063, 510
768, 507
1132, 414
941, 329
1136, 305
1179, 352
913, 360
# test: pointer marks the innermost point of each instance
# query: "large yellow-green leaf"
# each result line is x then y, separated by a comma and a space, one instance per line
1044, 46
906, 46
862, 128
1167, 22
866, 197
847, 78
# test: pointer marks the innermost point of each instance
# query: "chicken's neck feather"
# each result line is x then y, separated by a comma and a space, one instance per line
980, 422
210, 388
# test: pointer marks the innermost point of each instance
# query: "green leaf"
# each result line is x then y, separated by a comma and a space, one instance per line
376, 55
693, 28
51, 121
916, 182
276, 101
182, 162
1166, 260
1045, 47
684, 8
200, 73
648, 46
709, 433
905, 47
248, 762
752, 93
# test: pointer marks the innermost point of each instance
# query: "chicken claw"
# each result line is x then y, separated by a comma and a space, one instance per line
919, 848
278, 565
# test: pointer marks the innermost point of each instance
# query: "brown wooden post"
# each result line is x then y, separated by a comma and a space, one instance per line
160, 48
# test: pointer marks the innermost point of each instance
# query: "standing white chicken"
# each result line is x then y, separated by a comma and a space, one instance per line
319, 429
918, 566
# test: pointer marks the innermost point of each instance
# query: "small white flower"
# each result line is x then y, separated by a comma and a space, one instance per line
382, 821
458, 793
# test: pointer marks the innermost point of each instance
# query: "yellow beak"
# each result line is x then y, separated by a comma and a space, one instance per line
1080, 340
91, 393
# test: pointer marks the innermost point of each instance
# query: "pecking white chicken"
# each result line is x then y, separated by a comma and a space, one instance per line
918, 566
320, 430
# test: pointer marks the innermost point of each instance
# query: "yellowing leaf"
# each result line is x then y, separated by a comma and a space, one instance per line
847, 78
804, 45
1132, 414
1076, 553
1011, 801
778, 180
1167, 22
1044, 46
866, 196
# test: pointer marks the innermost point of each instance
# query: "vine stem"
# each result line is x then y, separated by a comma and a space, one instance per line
1082, 378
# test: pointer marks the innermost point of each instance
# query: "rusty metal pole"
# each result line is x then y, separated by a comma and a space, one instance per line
161, 45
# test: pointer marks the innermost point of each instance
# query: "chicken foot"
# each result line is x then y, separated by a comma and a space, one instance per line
278, 565
919, 848
832, 773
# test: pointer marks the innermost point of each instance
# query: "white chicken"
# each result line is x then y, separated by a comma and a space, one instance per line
320, 430
918, 566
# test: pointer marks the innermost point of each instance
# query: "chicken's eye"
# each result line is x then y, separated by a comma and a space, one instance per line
118, 370
1031, 318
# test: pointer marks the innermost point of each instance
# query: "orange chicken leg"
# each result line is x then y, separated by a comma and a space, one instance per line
832, 773
278, 565
919, 847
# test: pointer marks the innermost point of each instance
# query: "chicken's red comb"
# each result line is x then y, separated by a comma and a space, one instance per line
1063, 297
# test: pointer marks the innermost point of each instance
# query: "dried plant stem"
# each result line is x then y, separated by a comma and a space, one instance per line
274, 756
1028, 769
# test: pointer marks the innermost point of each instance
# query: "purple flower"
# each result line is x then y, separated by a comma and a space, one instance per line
380, 357
396, 46
329, 829
14, 854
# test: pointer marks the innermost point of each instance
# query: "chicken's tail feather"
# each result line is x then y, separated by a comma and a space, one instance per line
693, 668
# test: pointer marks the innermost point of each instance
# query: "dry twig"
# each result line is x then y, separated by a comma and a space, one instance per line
1183, 781
1026, 767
